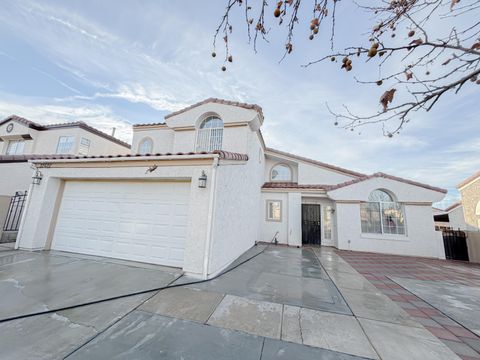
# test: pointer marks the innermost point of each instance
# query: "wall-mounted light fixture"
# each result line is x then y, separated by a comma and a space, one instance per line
202, 180
37, 177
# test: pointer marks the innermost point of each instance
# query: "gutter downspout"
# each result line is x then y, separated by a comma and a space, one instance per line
211, 218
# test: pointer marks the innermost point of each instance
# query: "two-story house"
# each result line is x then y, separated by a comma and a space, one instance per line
22, 140
201, 188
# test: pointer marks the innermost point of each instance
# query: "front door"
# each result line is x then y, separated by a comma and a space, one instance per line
311, 224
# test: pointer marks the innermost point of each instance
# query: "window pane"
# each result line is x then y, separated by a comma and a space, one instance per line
274, 210
392, 218
146, 146
370, 218
210, 135
281, 173
65, 144
327, 222
380, 196
84, 147
15, 147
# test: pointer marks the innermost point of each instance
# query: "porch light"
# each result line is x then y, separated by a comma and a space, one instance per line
37, 177
202, 180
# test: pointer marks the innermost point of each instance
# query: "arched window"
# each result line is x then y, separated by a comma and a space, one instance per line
382, 214
145, 146
281, 172
210, 134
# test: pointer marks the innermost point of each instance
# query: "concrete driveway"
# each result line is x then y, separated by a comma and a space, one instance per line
285, 303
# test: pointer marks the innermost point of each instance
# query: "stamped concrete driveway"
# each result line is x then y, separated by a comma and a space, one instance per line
282, 304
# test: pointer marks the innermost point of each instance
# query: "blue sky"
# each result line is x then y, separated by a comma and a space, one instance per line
114, 65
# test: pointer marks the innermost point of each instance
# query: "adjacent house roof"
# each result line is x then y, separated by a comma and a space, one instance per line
218, 101
224, 155
469, 179
315, 162
149, 124
386, 176
453, 206
79, 124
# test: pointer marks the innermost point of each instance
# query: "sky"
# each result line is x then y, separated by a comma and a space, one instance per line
114, 64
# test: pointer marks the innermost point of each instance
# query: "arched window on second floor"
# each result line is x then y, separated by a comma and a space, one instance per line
382, 214
210, 134
145, 146
281, 172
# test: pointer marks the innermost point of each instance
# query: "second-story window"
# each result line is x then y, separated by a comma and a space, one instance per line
145, 146
65, 144
281, 172
210, 134
15, 147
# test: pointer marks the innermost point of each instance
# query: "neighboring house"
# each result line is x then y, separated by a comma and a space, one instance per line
201, 188
470, 193
449, 219
22, 140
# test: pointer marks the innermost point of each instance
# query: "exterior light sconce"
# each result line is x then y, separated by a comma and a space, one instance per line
202, 180
37, 177
332, 210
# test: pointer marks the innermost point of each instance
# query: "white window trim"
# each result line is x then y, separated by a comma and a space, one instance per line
267, 217
281, 164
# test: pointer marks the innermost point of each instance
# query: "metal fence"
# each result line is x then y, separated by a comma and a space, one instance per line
14, 214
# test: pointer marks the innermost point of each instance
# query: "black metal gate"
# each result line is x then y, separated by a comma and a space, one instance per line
14, 215
311, 224
455, 242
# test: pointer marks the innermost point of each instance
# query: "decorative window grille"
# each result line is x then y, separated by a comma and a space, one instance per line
210, 134
382, 215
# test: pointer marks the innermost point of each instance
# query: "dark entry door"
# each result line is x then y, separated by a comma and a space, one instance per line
311, 224
455, 242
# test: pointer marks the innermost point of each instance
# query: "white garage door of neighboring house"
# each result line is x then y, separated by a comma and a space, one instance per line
139, 221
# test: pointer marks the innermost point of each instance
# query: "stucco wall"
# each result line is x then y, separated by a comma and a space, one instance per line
14, 177
162, 139
269, 228
456, 219
41, 204
236, 213
4, 205
311, 174
420, 238
470, 198
473, 243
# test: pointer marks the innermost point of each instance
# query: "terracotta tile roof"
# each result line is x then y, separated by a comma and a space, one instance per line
293, 185
315, 162
148, 124
80, 124
469, 179
218, 101
453, 206
386, 176
224, 155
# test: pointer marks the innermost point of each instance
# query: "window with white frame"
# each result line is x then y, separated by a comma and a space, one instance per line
84, 147
15, 147
327, 222
145, 146
274, 210
281, 172
65, 144
382, 214
210, 134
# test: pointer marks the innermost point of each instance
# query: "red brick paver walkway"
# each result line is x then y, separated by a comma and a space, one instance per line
378, 268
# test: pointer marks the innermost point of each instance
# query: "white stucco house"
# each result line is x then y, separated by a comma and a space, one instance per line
202, 187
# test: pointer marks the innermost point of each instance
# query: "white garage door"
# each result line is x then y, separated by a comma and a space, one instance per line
140, 221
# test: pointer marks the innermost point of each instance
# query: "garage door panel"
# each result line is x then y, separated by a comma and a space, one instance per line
134, 221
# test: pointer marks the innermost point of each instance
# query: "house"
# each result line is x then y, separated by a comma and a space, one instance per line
202, 187
22, 140
470, 193
449, 219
